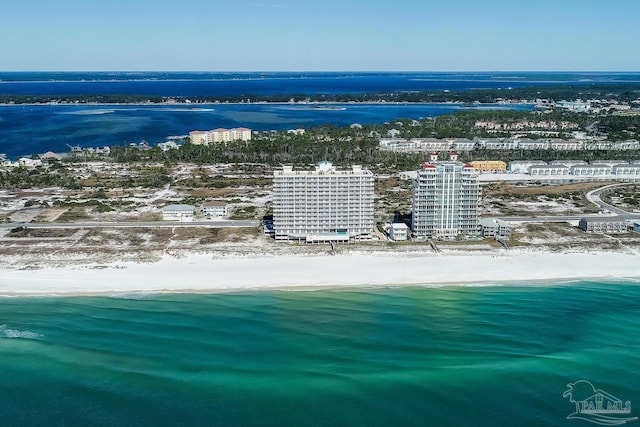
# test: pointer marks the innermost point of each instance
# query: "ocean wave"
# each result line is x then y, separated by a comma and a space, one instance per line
88, 112
134, 295
6, 332
185, 110
509, 77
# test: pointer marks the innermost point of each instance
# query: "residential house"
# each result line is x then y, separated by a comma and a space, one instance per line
214, 209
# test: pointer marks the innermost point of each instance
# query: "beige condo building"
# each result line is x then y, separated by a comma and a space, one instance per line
489, 166
200, 137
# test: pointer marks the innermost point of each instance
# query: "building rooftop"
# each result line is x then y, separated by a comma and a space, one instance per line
399, 226
549, 166
528, 162
603, 219
49, 155
323, 168
575, 162
629, 165
592, 166
178, 207
493, 222
609, 162
213, 203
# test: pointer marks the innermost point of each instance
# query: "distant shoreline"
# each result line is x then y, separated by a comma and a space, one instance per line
309, 104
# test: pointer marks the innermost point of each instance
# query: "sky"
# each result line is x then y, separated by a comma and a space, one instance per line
319, 35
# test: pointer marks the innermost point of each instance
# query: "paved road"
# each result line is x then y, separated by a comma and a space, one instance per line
132, 224
563, 218
594, 197
555, 218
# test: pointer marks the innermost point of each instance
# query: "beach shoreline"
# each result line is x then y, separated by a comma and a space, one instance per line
202, 273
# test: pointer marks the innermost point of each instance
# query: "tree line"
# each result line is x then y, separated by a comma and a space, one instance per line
622, 92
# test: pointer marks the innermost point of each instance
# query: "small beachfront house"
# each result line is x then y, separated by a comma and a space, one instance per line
182, 213
398, 232
494, 227
214, 209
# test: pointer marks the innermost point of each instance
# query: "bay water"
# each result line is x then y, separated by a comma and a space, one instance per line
36, 129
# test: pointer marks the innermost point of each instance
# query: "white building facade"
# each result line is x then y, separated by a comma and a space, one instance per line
398, 232
605, 225
523, 166
494, 227
633, 169
323, 205
548, 170
591, 170
182, 213
445, 200
214, 209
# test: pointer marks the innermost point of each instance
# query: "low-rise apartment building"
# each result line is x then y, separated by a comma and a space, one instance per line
632, 169
522, 166
496, 228
549, 170
591, 170
183, 213
489, 166
605, 225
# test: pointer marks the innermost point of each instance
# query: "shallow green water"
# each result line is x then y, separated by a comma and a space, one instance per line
407, 356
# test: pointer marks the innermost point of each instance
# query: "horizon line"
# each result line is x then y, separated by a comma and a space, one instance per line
321, 71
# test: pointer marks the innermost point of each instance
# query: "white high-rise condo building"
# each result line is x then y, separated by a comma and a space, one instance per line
323, 205
445, 199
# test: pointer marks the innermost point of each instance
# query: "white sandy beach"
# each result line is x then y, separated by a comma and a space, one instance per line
202, 273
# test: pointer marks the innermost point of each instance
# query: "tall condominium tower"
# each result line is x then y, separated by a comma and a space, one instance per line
445, 199
323, 205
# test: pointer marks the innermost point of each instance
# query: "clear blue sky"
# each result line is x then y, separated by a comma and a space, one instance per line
320, 35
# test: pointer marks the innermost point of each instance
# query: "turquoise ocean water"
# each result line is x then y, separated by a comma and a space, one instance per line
472, 356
